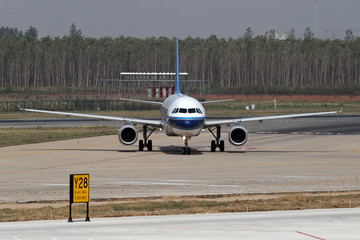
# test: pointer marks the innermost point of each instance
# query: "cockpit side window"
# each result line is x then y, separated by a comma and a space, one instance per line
175, 110
191, 110
183, 110
198, 110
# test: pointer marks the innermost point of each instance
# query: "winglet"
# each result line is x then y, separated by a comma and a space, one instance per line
177, 78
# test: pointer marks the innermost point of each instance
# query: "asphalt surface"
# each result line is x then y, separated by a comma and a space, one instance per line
322, 159
303, 225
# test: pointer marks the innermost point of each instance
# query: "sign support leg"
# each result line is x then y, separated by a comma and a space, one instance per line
87, 213
70, 217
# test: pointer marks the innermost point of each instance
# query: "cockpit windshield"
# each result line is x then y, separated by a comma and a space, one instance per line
187, 110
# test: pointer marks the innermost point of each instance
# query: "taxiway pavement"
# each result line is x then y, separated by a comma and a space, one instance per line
269, 162
322, 224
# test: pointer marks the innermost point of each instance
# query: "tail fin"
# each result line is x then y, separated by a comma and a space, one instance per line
177, 77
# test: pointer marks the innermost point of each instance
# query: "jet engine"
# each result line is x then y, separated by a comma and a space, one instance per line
238, 135
128, 134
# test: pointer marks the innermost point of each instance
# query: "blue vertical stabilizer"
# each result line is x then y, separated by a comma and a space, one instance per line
177, 75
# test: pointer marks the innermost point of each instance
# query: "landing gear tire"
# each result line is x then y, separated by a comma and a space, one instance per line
186, 151
149, 147
141, 145
213, 145
222, 146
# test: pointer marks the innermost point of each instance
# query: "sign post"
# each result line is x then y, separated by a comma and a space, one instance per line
79, 192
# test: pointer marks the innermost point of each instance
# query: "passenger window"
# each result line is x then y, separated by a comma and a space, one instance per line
175, 110
183, 110
191, 110
198, 110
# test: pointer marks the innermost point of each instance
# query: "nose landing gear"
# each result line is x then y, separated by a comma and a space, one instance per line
186, 150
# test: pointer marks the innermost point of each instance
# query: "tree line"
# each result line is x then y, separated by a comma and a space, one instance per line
247, 62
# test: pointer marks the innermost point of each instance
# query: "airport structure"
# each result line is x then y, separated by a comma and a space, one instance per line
152, 85
277, 34
281, 34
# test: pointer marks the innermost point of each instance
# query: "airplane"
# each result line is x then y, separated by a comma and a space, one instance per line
183, 116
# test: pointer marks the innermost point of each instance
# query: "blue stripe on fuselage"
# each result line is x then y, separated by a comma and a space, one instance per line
186, 123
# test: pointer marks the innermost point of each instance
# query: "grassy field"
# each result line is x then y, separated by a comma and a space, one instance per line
179, 205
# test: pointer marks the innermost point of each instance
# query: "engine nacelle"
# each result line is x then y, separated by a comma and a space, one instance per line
128, 134
238, 135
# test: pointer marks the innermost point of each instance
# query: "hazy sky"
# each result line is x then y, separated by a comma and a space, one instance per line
181, 18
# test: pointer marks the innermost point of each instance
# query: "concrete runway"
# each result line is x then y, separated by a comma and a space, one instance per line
306, 225
270, 162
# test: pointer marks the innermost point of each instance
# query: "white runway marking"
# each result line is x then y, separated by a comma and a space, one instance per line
55, 184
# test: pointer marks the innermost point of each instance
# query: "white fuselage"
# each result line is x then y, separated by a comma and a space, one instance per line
182, 115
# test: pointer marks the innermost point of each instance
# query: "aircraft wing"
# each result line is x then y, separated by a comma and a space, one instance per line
153, 123
216, 101
213, 123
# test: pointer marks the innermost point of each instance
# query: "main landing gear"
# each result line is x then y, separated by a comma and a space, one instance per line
217, 143
146, 143
186, 150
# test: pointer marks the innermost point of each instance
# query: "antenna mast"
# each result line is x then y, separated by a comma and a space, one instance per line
315, 18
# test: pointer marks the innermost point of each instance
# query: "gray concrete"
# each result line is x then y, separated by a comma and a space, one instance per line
302, 161
306, 224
